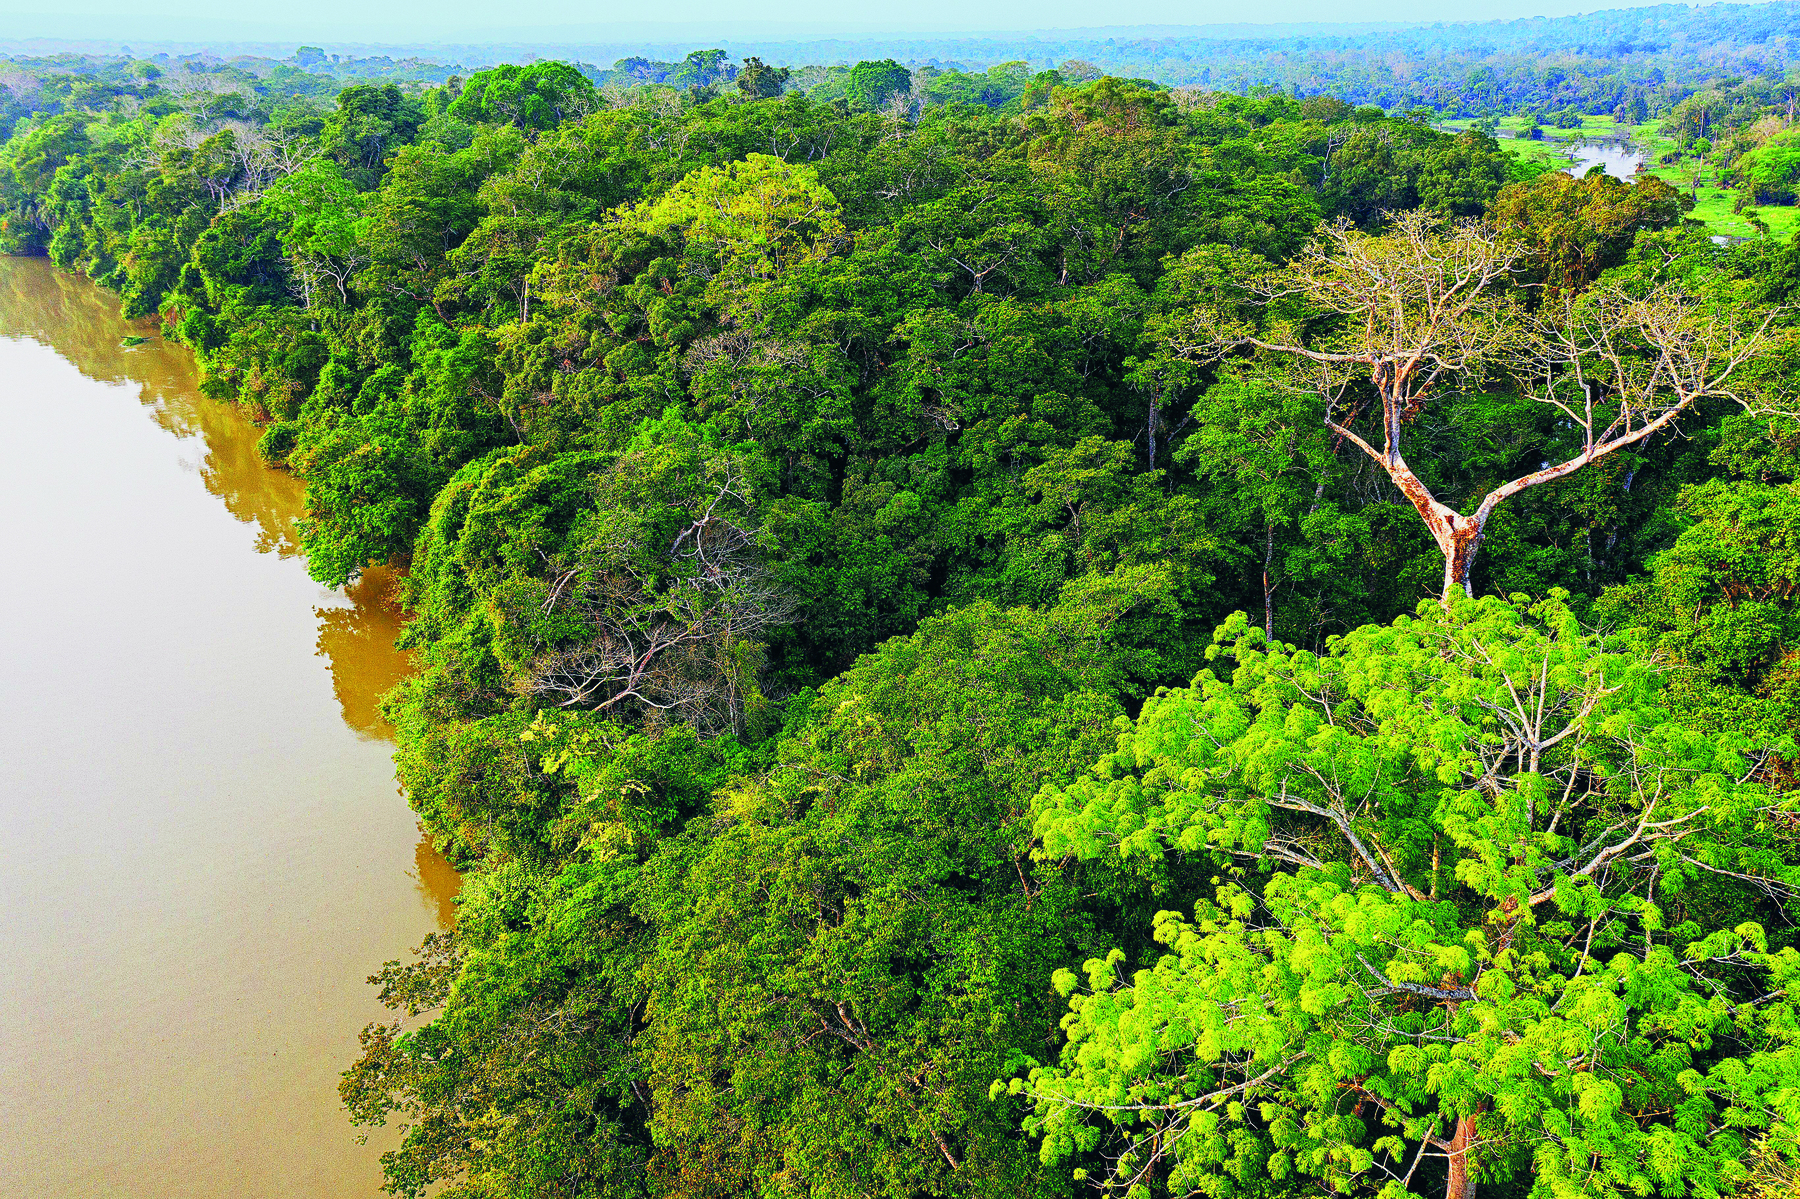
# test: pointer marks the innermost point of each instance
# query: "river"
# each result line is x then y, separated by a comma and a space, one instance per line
202, 849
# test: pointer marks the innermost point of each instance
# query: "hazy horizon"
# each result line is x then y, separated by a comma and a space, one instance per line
415, 22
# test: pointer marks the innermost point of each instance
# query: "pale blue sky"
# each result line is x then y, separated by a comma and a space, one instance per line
427, 20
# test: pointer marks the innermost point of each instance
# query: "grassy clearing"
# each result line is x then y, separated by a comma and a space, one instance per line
1713, 202
1713, 205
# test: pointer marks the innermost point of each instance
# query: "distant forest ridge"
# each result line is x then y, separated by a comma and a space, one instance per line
1593, 62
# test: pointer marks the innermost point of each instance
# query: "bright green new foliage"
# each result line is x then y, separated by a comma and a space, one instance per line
1482, 912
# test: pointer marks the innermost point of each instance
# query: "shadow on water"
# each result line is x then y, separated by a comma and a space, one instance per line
357, 640
356, 635
437, 881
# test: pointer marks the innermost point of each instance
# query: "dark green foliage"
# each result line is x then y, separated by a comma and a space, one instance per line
850, 953
1578, 228
1389, 167
1720, 606
871, 85
759, 81
369, 121
277, 442
538, 96
842, 947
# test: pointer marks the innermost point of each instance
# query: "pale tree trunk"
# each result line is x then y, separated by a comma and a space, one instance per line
1459, 555
1460, 1185
1458, 537
1150, 427
1412, 355
1268, 585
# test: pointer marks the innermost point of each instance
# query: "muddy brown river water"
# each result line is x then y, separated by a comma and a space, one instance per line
202, 848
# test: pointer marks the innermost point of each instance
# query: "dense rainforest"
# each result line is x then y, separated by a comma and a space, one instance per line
1179, 643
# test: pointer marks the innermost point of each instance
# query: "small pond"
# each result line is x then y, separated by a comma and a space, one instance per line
1620, 158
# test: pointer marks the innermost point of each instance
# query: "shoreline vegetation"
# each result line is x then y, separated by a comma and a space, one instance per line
982, 642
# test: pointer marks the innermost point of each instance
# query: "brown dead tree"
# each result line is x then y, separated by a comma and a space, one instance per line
668, 626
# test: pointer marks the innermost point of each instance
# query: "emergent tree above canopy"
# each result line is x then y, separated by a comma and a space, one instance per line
1426, 309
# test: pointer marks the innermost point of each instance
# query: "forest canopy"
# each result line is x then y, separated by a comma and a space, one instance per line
1002, 633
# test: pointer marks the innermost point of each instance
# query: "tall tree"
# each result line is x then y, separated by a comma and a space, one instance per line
759, 81
1425, 310
538, 96
872, 84
1576, 228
